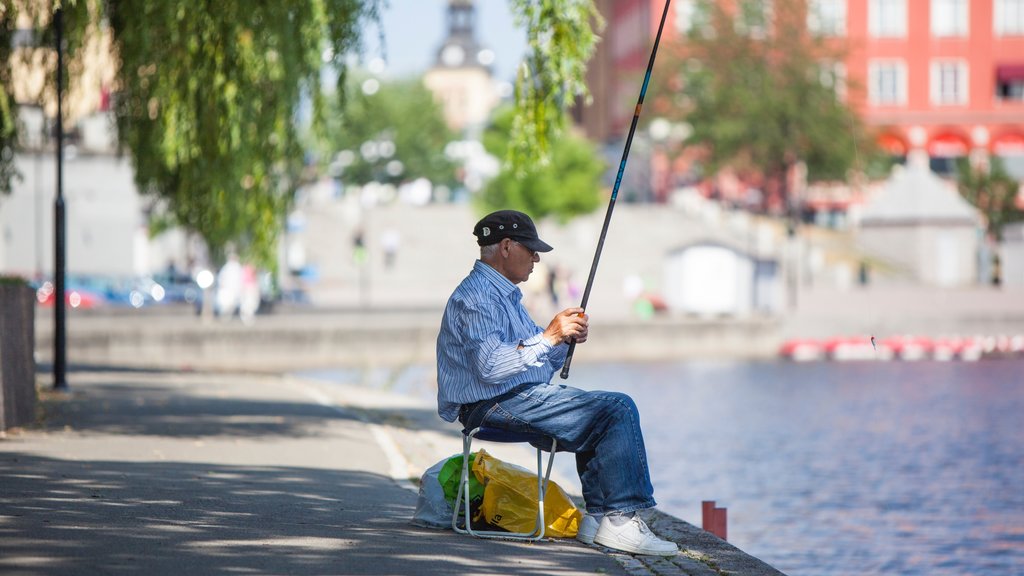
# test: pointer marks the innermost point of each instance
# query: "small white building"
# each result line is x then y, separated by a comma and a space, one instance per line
920, 222
710, 279
1011, 256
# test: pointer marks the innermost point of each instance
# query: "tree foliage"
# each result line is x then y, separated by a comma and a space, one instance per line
8, 107
20, 52
992, 191
207, 105
207, 93
567, 185
397, 122
561, 37
756, 89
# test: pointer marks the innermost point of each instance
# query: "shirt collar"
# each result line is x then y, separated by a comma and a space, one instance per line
503, 285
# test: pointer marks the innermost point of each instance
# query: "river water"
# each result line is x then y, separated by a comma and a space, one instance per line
841, 468
832, 469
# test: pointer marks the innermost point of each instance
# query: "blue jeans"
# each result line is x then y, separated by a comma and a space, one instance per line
601, 428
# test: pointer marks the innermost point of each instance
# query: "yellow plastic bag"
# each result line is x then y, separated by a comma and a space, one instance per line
510, 499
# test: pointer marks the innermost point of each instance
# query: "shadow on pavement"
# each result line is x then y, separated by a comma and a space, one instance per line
103, 517
157, 410
163, 473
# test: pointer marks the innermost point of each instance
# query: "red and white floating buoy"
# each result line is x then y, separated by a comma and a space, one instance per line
905, 347
802, 350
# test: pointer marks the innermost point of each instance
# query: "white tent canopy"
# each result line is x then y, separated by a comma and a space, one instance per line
916, 195
920, 222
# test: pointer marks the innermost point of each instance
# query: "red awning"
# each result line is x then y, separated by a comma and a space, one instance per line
1010, 73
1008, 145
948, 146
893, 145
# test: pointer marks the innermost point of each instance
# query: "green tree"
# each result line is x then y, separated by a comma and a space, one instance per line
8, 107
19, 50
561, 37
389, 132
207, 94
992, 191
757, 92
567, 185
207, 102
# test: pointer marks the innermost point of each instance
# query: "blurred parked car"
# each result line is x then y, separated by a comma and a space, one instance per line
90, 290
75, 296
179, 288
121, 291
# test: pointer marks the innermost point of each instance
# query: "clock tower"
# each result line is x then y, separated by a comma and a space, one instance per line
461, 75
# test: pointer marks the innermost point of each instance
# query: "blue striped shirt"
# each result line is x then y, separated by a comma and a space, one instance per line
488, 343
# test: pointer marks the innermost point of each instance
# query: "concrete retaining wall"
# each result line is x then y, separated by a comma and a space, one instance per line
326, 340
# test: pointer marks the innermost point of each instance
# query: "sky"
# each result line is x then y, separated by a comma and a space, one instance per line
414, 30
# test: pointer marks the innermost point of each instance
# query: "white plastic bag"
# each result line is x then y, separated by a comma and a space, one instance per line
432, 509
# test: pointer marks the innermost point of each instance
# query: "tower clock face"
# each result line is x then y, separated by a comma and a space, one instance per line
453, 55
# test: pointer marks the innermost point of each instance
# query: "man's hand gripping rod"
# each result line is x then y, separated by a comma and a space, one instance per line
618, 182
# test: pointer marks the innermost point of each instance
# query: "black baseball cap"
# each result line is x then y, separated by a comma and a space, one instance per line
492, 228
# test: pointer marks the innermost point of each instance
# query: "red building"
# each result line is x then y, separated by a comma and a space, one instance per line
943, 77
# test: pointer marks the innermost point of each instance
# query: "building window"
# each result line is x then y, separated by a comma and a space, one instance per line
827, 17
950, 18
1010, 82
1009, 17
692, 15
633, 27
1009, 149
887, 83
754, 17
949, 83
887, 18
944, 151
1012, 91
686, 11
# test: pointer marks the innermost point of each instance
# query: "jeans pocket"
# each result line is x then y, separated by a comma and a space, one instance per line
498, 417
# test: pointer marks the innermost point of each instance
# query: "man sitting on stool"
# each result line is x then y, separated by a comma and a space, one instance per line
494, 368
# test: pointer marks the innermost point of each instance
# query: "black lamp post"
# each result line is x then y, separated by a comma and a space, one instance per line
60, 253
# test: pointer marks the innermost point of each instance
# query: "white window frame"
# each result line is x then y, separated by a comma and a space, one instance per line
826, 17
686, 15
887, 18
898, 69
950, 18
949, 82
693, 16
1008, 17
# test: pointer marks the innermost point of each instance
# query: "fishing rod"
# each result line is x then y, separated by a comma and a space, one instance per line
618, 182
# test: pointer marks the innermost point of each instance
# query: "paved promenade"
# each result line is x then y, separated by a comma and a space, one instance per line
137, 472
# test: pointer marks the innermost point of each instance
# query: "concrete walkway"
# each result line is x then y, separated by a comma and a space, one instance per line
157, 473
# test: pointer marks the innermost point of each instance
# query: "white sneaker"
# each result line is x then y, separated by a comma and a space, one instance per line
632, 535
588, 529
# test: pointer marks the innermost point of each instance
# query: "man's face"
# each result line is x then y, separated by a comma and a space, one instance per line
519, 260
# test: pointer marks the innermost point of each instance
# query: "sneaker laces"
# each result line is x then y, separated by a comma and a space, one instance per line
644, 529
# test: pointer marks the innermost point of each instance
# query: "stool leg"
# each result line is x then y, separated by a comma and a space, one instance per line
542, 489
551, 460
468, 441
462, 499
463, 485
540, 496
